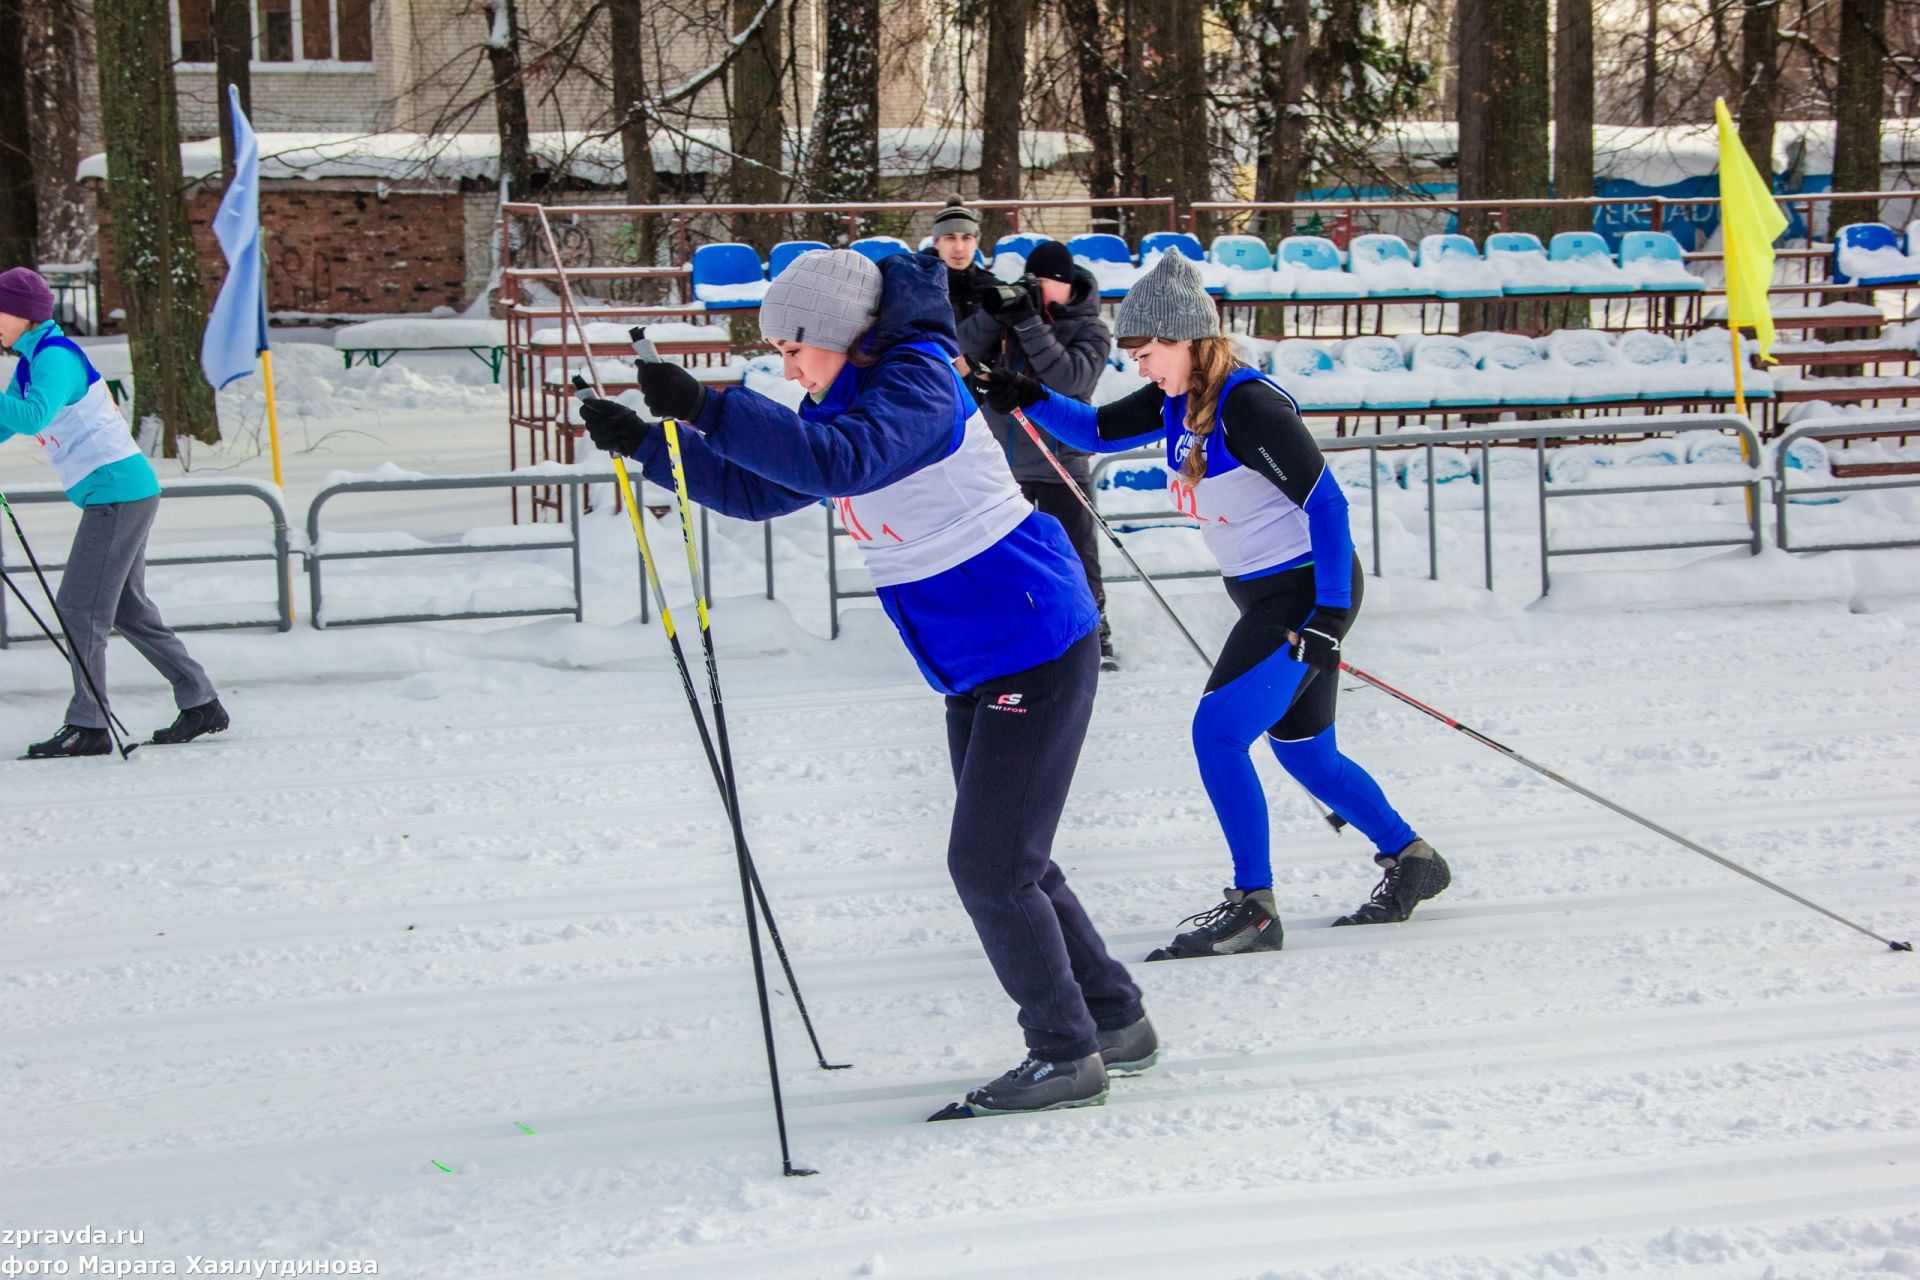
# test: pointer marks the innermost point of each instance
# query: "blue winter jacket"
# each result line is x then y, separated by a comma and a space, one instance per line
1019, 603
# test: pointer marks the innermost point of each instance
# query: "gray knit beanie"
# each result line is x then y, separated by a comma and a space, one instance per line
955, 219
826, 299
1168, 302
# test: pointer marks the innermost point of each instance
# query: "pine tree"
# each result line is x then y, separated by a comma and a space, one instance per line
159, 270
756, 121
845, 142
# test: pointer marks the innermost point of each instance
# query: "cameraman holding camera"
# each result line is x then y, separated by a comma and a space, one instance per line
1048, 326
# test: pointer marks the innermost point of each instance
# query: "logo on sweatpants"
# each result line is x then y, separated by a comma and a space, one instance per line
1009, 702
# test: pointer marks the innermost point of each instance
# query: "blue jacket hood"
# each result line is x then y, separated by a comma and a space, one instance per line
913, 305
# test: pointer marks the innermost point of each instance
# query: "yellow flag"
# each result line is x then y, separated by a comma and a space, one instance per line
1750, 222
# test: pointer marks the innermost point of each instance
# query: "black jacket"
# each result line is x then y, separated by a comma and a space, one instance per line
963, 287
1065, 348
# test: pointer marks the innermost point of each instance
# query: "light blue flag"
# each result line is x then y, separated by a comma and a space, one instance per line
237, 328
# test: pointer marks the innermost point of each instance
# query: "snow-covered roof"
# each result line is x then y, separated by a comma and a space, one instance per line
1660, 156
589, 157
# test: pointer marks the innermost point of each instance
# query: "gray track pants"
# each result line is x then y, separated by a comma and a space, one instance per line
104, 588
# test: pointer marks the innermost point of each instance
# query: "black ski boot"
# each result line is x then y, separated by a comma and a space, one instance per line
208, 717
1108, 662
1035, 1086
1128, 1051
1412, 876
72, 740
1245, 921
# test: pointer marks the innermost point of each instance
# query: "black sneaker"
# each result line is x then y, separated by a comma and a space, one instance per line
1129, 1051
208, 717
1245, 921
1107, 660
1035, 1086
1412, 876
72, 740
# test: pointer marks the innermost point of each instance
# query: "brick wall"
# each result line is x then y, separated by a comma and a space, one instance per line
334, 249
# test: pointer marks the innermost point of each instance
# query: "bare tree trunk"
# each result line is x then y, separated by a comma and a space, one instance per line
757, 124
1650, 67
159, 270
509, 99
232, 65
1759, 81
1086, 27
1503, 111
1573, 111
19, 210
59, 55
628, 75
845, 164
1003, 109
1858, 104
1172, 138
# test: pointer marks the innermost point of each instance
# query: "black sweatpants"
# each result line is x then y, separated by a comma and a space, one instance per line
1058, 501
1014, 742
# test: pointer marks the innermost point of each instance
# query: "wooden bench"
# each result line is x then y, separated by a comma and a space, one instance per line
374, 342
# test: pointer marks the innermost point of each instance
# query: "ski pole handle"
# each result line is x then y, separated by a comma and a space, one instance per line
642, 345
582, 390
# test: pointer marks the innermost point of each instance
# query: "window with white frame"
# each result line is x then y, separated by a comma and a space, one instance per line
284, 31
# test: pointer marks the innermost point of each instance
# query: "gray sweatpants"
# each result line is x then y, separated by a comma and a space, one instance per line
104, 588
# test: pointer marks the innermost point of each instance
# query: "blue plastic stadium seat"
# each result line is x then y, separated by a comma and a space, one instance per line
1317, 272
781, 256
1589, 264
1389, 387
1456, 269
1172, 241
1523, 264
878, 247
1101, 247
1384, 264
725, 276
1873, 250
1653, 261
1244, 266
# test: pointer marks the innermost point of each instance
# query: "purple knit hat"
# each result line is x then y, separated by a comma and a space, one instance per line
23, 293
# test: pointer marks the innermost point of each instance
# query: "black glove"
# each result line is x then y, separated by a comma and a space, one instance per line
1009, 391
671, 391
1317, 640
1009, 307
614, 427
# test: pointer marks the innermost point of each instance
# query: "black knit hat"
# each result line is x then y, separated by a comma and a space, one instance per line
1051, 261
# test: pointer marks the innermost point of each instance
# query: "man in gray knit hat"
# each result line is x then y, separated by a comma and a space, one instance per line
956, 242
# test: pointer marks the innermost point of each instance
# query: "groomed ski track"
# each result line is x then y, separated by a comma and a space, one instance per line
255, 988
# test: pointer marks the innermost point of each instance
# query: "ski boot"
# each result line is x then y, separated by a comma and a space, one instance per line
72, 740
208, 717
1034, 1086
1131, 1050
1246, 921
1411, 876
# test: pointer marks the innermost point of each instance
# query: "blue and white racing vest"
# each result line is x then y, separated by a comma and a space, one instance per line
1247, 523
945, 513
86, 435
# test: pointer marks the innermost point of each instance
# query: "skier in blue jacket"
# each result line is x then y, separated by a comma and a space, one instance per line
1245, 467
986, 592
59, 398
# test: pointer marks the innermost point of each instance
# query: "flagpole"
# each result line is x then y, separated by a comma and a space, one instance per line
273, 413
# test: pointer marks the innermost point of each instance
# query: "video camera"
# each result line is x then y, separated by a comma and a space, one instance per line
1001, 294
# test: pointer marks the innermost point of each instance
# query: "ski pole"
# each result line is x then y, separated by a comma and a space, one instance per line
721, 762
1333, 820
1601, 800
74, 657
52, 639
680, 660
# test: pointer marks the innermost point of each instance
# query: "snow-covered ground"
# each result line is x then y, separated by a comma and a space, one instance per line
298, 993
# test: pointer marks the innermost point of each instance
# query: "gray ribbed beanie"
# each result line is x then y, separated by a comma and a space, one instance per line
827, 298
1168, 302
956, 218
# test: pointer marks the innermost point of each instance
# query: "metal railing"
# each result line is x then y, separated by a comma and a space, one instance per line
318, 556
259, 490
1836, 429
1538, 434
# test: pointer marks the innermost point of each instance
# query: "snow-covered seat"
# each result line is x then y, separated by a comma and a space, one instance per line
1010, 255
1656, 361
1455, 268
1246, 268
1108, 259
1869, 254
1653, 262
1350, 469
1317, 273
1386, 383
1523, 264
1575, 463
1157, 244
1384, 265
781, 256
1309, 375
1589, 265
1709, 353
728, 276
371, 342
874, 248
1450, 466
1450, 370
1593, 368
1516, 370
